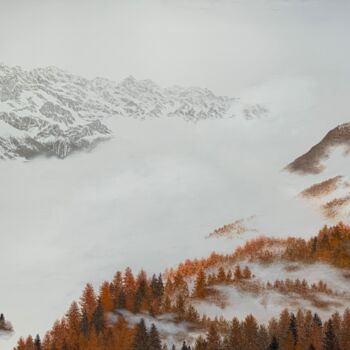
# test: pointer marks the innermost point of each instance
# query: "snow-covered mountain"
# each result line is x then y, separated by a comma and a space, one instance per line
47, 111
311, 161
329, 182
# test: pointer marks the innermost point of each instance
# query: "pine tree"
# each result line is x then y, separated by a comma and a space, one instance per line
73, 326
29, 343
121, 302
199, 287
154, 339
184, 346
141, 341
229, 276
180, 306
2, 322
160, 286
316, 332
106, 297
98, 318
201, 344
237, 273
345, 330
330, 341
21, 344
274, 344
246, 274
293, 328
140, 296
116, 287
167, 304
213, 338
250, 333
154, 286
88, 301
37, 343
84, 324
235, 339
129, 288
221, 277
192, 314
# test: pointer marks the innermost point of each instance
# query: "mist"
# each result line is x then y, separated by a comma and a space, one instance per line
149, 197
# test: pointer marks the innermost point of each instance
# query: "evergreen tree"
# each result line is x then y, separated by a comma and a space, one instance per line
246, 274
330, 341
184, 346
221, 277
121, 302
235, 340
154, 286
293, 328
201, 344
213, 338
180, 306
160, 286
274, 344
141, 341
199, 287
98, 318
237, 273
37, 343
84, 324
88, 301
140, 295
154, 339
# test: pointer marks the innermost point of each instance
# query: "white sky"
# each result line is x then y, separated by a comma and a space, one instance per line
196, 42
148, 198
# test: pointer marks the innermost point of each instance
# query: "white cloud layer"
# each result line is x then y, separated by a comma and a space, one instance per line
149, 197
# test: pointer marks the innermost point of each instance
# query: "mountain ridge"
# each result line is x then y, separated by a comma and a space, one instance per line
47, 111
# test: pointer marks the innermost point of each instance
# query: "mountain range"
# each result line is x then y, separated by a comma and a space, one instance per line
47, 111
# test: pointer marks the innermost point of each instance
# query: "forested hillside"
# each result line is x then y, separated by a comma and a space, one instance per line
141, 312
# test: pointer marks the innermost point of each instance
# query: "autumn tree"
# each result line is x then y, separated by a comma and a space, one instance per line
129, 288
73, 326
237, 273
221, 276
200, 344
213, 338
330, 341
106, 297
88, 301
200, 283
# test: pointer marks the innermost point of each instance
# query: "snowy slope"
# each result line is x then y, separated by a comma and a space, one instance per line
50, 112
240, 300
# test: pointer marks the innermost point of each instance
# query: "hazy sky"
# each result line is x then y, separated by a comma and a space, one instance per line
194, 42
159, 187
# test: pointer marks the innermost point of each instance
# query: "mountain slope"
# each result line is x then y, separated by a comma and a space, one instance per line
47, 111
311, 161
253, 286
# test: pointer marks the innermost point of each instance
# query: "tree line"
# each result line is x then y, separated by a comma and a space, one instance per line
87, 325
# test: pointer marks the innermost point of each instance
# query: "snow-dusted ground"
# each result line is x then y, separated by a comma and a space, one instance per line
171, 331
265, 304
146, 199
